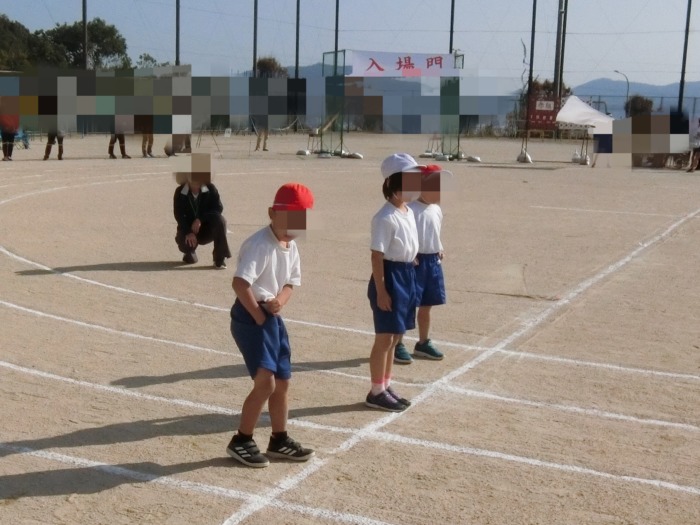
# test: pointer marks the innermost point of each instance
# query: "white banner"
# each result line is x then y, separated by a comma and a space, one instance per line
381, 64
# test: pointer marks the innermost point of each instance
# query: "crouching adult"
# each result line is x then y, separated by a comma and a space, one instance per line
198, 212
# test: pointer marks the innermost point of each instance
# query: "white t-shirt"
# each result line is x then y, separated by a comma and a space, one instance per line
394, 234
429, 223
267, 265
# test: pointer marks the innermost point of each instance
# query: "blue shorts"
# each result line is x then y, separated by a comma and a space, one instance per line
430, 282
400, 282
265, 346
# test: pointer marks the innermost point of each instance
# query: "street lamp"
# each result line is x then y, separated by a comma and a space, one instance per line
627, 96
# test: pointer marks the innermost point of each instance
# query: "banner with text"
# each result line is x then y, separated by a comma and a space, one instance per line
382, 64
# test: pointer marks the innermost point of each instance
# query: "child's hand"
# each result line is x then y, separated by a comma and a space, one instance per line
273, 306
196, 225
383, 300
441, 255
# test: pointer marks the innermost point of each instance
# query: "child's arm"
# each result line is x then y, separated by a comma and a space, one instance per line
383, 297
247, 299
275, 305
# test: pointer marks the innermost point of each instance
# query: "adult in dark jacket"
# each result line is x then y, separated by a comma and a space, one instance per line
197, 208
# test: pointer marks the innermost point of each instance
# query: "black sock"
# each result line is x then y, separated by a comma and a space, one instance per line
279, 436
240, 437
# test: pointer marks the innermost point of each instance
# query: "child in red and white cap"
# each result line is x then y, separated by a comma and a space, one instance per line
268, 269
430, 282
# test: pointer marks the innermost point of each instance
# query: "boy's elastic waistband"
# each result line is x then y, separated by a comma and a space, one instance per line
398, 264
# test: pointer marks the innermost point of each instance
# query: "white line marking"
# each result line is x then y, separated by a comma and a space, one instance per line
271, 498
475, 348
370, 431
593, 412
112, 330
130, 291
118, 390
190, 486
382, 436
526, 327
585, 210
160, 399
57, 188
605, 366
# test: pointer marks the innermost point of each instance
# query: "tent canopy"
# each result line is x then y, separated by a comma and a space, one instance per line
576, 114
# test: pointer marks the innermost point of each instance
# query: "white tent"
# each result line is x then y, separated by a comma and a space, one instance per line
576, 114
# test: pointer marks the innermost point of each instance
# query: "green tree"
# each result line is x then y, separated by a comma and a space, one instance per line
106, 45
147, 61
269, 67
638, 105
14, 44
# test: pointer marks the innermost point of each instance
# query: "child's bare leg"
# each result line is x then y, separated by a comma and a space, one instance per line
382, 352
278, 406
389, 363
263, 387
423, 323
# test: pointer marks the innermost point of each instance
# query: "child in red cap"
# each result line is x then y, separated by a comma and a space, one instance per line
430, 282
268, 269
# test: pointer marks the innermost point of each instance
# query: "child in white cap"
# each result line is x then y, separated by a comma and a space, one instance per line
392, 287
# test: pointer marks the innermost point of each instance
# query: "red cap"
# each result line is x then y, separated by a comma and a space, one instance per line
431, 169
293, 197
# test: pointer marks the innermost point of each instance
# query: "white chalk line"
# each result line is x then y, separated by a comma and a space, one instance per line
591, 412
189, 486
460, 346
369, 432
175, 300
58, 188
526, 327
105, 329
74, 178
452, 388
604, 366
176, 344
119, 391
535, 462
614, 212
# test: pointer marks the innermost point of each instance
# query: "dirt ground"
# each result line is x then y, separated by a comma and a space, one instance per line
569, 393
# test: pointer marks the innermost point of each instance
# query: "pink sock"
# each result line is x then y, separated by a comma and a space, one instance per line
377, 387
387, 381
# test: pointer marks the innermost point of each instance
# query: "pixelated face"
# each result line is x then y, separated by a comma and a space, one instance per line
430, 188
410, 186
288, 224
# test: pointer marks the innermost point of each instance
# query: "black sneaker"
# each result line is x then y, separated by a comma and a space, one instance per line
397, 397
190, 258
220, 265
288, 449
383, 401
247, 453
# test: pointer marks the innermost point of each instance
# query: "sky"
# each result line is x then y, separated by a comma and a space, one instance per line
641, 38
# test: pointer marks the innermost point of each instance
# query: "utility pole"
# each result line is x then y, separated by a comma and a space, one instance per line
452, 26
85, 36
177, 32
524, 155
335, 54
685, 56
558, 54
255, 38
296, 55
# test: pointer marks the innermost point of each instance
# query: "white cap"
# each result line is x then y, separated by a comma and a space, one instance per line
399, 163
